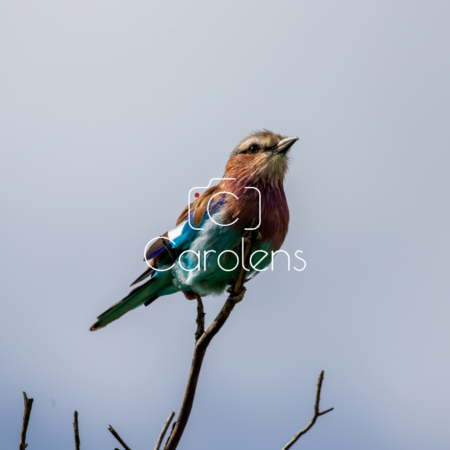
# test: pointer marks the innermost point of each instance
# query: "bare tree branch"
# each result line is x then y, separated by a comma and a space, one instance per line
315, 415
28, 404
237, 291
163, 431
75, 430
114, 433
200, 318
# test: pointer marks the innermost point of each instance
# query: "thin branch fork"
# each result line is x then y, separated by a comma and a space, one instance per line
237, 291
28, 403
315, 415
163, 431
116, 435
200, 318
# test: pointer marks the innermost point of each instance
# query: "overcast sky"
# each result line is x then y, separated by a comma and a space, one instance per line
112, 111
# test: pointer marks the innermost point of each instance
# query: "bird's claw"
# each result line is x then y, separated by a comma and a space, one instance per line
236, 297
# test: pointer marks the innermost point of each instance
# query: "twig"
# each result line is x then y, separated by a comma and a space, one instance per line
315, 416
163, 431
75, 430
28, 403
114, 433
200, 318
237, 291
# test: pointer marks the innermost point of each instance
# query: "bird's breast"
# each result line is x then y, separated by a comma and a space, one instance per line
268, 207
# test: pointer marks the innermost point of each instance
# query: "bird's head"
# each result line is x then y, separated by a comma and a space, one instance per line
263, 155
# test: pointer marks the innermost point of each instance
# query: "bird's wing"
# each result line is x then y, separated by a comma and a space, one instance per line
178, 239
198, 207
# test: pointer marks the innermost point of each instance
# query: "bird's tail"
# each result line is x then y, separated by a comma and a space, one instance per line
144, 294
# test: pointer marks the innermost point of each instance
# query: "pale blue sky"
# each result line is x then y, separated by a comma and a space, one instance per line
112, 111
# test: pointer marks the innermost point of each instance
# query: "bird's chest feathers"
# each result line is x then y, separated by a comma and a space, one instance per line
264, 205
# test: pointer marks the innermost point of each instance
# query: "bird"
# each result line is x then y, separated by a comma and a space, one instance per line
200, 256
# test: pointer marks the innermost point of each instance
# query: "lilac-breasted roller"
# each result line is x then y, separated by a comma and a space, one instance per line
202, 254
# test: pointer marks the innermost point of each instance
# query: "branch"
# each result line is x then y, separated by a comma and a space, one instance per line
237, 291
163, 431
75, 431
114, 433
200, 318
315, 415
28, 403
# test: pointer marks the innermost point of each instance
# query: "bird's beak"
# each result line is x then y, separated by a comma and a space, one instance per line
284, 145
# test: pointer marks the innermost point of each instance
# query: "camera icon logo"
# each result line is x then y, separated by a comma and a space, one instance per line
197, 191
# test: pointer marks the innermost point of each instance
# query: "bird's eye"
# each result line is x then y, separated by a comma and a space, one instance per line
253, 149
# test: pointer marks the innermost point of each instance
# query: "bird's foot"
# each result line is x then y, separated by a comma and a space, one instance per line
236, 297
